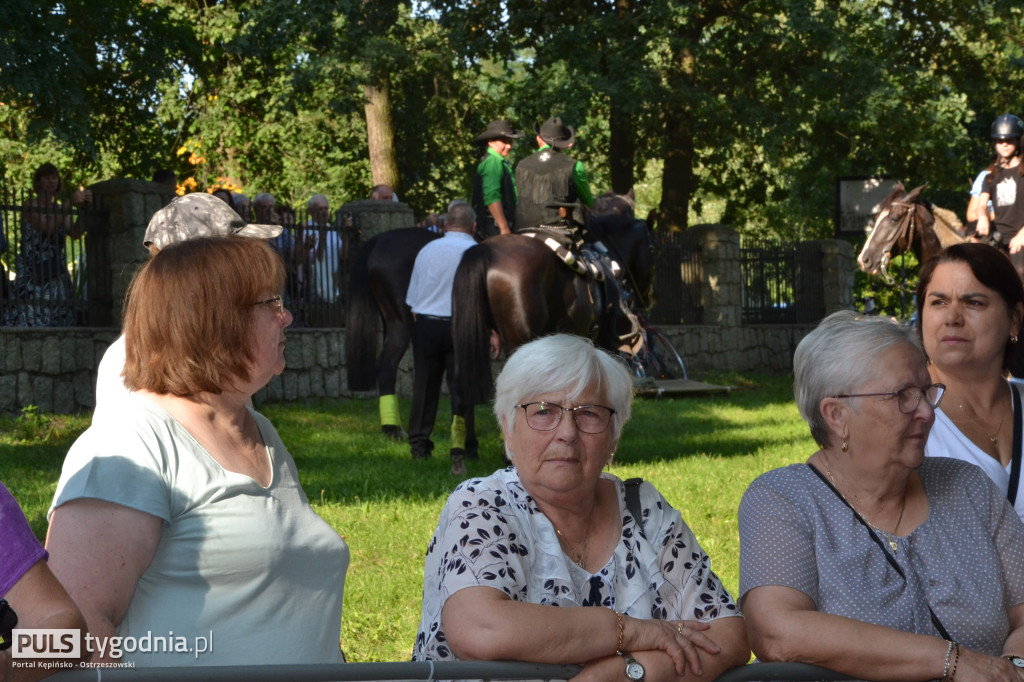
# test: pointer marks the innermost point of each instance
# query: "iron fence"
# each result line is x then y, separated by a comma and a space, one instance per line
51, 264
678, 275
317, 259
769, 281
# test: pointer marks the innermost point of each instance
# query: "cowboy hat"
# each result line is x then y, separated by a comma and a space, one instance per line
496, 130
556, 133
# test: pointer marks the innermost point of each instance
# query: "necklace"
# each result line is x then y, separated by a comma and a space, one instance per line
889, 537
984, 427
578, 559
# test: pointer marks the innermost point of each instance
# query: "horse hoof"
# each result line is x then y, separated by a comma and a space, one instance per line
394, 432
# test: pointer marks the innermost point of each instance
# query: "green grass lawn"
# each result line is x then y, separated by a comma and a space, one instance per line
701, 452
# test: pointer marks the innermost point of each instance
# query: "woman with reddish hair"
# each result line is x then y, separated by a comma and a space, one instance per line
183, 511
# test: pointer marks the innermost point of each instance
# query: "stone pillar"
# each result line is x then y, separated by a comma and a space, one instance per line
722, 292
825, 279
370, 217
130, 204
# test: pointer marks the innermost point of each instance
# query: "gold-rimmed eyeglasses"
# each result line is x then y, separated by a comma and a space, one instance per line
275, 303
908, 398
541, 416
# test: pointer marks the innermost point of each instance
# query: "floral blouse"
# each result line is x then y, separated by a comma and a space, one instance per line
491, 533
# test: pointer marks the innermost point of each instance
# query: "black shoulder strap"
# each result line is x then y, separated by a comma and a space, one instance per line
633, 500
1018, 442
881, 545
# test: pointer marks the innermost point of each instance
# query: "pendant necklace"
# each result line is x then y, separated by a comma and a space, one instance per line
578, 559
889, 537
984, 427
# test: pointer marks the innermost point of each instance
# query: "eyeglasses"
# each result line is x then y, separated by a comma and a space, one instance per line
275, 303
541, 416
908, 398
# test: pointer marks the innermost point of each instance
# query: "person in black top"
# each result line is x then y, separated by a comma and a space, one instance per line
1004, 185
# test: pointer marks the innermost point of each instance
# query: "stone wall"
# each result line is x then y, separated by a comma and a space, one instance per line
55, 369
52, 369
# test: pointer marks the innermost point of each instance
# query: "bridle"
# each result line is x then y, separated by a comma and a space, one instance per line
904, 231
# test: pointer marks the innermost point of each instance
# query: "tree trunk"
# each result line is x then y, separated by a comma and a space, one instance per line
677, 181
380, 133
622, 149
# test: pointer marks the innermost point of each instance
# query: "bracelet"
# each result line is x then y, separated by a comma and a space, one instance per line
956, 661
618, 616
949, 653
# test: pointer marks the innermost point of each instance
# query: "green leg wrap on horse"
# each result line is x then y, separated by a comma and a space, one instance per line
458, 433
389, 410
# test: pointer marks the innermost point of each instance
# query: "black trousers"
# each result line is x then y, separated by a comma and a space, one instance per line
433, 359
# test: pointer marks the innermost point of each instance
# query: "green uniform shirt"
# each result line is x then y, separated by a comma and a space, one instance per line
491, 168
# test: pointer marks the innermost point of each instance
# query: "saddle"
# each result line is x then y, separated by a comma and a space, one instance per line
601, 272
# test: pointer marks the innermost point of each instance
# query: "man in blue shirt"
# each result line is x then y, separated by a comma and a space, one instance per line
430, 297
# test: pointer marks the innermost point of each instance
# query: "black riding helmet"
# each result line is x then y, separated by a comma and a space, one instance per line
1007, 127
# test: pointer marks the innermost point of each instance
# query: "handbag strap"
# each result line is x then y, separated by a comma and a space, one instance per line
1018, 442
632, 486
881, 545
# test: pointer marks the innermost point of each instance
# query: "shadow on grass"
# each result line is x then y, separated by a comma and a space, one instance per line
342, 456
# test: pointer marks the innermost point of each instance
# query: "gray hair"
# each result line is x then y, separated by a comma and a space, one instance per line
839, 356
461, 215
562, 363
317, 199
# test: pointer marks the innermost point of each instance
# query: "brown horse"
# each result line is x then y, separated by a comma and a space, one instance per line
905, 222
517, 286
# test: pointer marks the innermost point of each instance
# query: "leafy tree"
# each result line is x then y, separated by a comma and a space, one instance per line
85, 74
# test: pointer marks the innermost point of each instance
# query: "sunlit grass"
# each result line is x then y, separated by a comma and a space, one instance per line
701, 452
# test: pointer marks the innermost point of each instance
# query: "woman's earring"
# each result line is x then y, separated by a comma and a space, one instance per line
846, 447
1013, 339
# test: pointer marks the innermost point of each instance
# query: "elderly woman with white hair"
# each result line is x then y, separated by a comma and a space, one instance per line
547, 562
870, 559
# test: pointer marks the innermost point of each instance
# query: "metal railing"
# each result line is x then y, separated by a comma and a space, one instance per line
373, 672
769, 281
678, 278
56, 280
317, 283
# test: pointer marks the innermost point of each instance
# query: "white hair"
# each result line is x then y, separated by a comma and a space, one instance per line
562, 363
839, 356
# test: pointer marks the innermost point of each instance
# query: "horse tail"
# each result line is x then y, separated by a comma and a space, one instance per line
361, 323
471, 327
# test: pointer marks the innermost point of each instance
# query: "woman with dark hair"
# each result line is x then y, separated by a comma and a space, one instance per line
183, 511
971, 305
1004, 187
42, 284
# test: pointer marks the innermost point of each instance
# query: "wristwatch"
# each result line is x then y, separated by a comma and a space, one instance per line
634, 671
9, 621
1016, 660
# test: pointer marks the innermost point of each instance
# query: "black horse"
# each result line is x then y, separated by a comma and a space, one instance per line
378, 282
517, 286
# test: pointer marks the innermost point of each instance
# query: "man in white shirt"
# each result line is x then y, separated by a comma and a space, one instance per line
430, 297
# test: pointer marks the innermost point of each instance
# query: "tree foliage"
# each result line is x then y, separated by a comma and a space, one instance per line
746, 110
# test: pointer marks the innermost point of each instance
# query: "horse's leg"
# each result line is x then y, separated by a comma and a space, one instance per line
397, 334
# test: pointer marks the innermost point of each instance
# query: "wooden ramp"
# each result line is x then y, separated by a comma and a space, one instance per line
656, 388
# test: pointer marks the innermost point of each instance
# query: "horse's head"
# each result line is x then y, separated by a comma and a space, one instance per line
629, 240
901, 218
